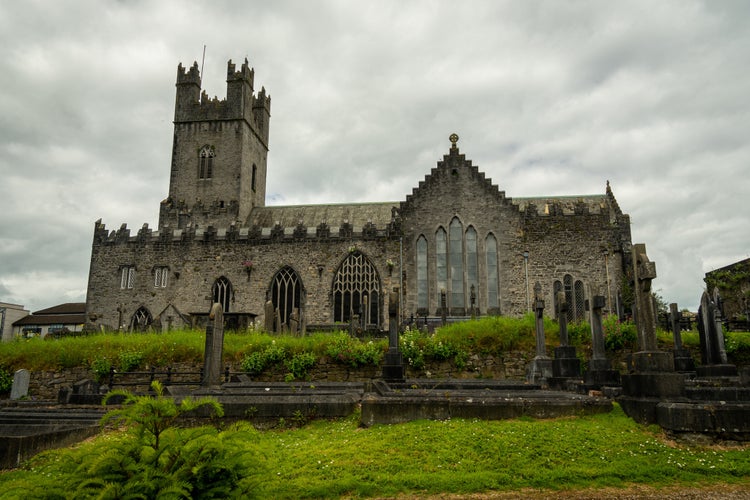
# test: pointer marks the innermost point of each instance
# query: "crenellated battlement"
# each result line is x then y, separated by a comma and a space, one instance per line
254, 235
241, 102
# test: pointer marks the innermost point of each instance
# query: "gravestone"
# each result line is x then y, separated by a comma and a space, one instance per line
393, 368
713, 351
540, 368
683, 362
652, 377
443, 308
294, 321
566, 367
600, 372
20, 387
214, 347
268, 316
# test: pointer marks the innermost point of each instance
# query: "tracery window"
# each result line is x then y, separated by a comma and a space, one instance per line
221, 292
127, 277
356, 290
286, 293
141, 320
422, 283
161, 276
206, 162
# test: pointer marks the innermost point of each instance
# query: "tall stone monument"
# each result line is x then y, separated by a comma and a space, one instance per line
214, 348
393, 369
539, 371
600, 372
566, 367
652, 377
713, 350
683, 362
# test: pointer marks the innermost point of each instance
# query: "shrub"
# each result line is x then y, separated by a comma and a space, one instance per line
618, 335
258, 361
155, 459
300, 364
352, 352
130, 360
6, 381
101, 368
411, 343
579, 333
254, 363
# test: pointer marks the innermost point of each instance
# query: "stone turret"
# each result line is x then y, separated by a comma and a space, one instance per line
219, 152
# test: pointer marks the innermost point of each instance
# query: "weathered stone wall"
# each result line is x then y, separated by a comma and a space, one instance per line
195, 264
45, 385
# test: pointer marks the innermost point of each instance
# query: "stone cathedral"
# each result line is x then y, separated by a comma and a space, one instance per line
455, 247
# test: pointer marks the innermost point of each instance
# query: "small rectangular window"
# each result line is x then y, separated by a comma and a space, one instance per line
127, 277
160, 277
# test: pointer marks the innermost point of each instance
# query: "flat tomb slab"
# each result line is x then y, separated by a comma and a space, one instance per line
397, 405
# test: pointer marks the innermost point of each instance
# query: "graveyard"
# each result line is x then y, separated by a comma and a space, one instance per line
706, 399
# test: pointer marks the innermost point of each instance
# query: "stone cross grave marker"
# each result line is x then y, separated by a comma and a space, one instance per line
214, 347
644, 273
20, 387
541, 350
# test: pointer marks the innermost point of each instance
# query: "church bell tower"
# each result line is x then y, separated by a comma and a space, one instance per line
219, 152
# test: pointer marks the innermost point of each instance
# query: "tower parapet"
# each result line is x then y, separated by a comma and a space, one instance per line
241, 103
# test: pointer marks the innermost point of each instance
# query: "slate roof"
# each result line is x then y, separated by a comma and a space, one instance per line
67, 308
334, 215
72, 313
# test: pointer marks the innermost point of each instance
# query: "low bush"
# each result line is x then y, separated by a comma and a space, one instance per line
6, 381
352, 352
618, 334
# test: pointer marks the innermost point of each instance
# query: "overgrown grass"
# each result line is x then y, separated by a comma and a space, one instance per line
258, 351
331, 459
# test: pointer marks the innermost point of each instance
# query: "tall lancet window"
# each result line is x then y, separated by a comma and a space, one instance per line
456, 257
422, 283
472, 273
490, 245
206, 163
441, 263
221, 292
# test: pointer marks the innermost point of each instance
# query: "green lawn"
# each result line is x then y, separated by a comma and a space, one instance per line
330, 459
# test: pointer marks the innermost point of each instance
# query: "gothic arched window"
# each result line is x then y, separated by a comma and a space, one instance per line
141, 320
206, 162
575, 296
441, 263
490, 246
356, 290
456, 258
557, 286
222, 293
422, 282
286, 293
472, 270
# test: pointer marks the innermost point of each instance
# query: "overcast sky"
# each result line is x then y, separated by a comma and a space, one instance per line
548, 98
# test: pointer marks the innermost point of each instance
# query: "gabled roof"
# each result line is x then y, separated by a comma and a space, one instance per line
67, 308
71, 313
